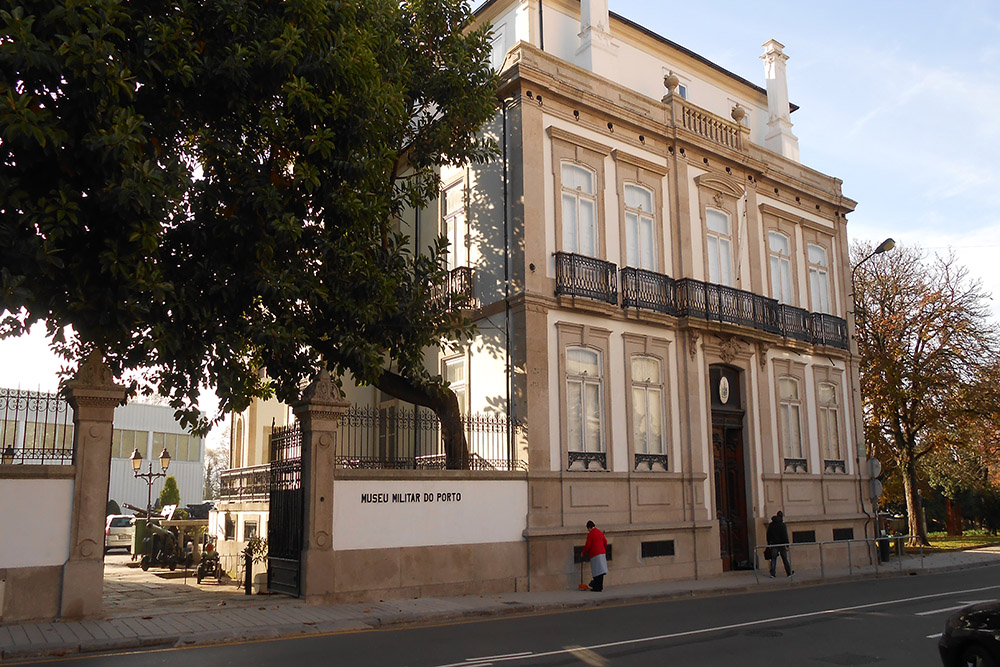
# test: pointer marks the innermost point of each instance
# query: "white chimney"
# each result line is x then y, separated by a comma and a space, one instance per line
779, 137
597, 51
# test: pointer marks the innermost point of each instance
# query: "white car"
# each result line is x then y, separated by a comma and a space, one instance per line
118, 532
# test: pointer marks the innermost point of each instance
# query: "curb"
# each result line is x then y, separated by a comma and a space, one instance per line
410, 619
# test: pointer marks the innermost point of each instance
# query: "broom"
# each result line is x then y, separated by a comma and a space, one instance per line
583, 586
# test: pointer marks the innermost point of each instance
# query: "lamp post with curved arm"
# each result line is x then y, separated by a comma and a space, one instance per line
882, 247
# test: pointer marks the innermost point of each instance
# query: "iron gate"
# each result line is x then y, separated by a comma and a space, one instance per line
284, 526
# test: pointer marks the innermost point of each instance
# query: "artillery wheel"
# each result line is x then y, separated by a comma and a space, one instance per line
144, 563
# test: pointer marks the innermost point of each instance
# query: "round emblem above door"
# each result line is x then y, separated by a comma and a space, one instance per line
723, 389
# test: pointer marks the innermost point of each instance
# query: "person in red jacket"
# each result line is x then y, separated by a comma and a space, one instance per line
596, 549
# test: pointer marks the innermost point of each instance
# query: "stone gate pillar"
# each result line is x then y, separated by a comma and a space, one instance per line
93, 395
319, 414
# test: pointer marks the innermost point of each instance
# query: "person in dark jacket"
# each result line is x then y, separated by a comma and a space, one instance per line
777, 539
596, 549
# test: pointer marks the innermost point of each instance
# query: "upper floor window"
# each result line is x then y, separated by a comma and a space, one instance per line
829, 432
498, 47
584, 400
719, 245
456, 377
579, 209
789, 417
453, 216
647, 405
819, 286
781, 266
640, 229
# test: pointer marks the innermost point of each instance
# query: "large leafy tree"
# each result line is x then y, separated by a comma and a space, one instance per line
925, 341
209, 190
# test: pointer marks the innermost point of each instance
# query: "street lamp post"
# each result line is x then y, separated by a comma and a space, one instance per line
149, 475
882, 247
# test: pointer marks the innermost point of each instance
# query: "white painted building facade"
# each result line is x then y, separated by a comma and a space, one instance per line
662, 297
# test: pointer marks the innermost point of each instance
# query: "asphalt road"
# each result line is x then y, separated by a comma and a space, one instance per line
884, 622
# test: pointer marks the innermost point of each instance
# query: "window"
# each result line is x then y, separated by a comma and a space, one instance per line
498, 47
682, 90
720, 262
230, 527
455, 376
579, 209
789, 422
819, 286
640, 230
843, 534
249, 530
781, 267
584, 400
453, 215
657, 548
828, 421
647, 405
124, 442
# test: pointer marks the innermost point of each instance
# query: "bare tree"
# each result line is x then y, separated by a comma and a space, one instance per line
925, 339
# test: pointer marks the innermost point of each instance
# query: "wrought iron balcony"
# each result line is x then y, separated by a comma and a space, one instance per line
726, 304
578, 275
828, 330
651, 462
652, 291
796, 465
589, 460
834, 466
794, 323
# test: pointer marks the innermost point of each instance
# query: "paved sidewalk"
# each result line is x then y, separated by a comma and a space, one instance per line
206, 617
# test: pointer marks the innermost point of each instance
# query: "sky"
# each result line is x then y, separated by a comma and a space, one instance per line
900, 100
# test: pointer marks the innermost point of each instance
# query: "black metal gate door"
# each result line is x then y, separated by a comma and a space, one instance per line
284, 525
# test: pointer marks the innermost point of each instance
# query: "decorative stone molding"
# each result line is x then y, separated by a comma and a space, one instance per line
762, 349
693, 337
730, 348
93, 374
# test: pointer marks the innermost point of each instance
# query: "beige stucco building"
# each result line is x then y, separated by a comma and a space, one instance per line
662, 293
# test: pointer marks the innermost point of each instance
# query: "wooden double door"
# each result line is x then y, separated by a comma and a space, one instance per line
729, 467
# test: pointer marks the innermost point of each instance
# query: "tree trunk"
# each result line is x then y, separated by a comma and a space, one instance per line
444, 403
914, 510
953, 517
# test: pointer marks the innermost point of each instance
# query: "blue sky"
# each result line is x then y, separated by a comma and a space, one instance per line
901, 100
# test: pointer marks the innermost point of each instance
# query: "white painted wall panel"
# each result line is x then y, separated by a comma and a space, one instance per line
477, 512
40, 508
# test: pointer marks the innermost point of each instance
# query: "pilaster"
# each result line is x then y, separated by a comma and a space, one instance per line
93, 395
319, 414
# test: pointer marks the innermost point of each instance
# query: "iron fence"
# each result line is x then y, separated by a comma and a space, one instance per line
37, 428
401, 438
828, 330
578, 275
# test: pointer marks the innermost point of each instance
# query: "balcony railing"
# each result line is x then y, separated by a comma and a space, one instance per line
587, 460
726, 304
794, 323
828, 330
578, 275
710, 126
652, 291
245, 484
459, 285
585, 276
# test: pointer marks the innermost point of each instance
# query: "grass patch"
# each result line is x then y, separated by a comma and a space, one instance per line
970, 540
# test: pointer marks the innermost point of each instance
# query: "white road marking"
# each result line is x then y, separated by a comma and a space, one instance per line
587, 657
494, 657
934, 636
732, 626
960, 605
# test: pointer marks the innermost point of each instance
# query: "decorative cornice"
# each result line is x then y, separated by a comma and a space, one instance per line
622, 156
560, 134
719, 183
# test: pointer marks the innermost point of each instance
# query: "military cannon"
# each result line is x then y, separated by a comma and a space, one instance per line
161, 548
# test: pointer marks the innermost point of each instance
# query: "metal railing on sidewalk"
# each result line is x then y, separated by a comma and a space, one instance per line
876, 549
